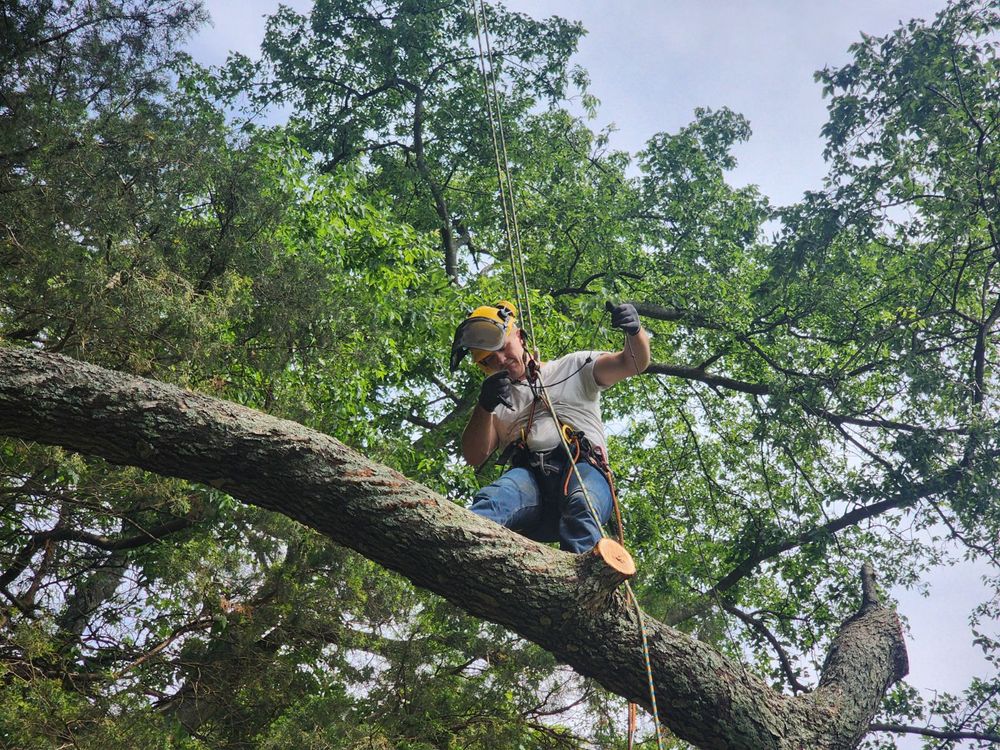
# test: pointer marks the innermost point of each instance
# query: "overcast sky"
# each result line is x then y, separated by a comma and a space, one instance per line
652, 62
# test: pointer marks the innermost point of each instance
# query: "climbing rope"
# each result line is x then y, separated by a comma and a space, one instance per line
498, 137
628, 589
516, 254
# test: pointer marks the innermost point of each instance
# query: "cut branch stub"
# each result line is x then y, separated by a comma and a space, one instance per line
615, 557
601, 571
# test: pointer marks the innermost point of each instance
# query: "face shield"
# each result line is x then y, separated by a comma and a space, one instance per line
481, 335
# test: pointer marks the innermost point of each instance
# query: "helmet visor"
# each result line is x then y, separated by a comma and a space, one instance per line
480, 335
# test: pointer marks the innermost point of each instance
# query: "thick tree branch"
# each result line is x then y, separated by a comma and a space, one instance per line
659, 312
870, 649
550, 597
764, 389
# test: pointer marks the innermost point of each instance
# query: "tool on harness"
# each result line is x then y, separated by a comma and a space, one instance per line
585, 450
483, 331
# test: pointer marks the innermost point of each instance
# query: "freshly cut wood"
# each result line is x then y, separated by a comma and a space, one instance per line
615, 557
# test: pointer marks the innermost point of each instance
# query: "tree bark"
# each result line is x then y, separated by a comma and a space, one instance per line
540, 593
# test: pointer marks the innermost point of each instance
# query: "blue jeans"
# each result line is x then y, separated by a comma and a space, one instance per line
533, 503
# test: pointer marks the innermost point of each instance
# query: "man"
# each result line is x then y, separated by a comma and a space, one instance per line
541, 496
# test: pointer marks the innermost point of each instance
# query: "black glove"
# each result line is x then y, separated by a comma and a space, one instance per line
625, 317
495, 390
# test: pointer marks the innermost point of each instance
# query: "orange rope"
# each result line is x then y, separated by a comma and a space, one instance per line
569, 471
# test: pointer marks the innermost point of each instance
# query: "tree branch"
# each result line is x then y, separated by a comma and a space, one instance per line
786, 663
40, 539
658, 312
941, 483
694, 373
764, 389
943, 734
553, 598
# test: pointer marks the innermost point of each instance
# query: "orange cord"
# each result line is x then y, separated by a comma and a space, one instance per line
569, 471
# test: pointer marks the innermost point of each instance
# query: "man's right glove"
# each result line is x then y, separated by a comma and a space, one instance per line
495, 390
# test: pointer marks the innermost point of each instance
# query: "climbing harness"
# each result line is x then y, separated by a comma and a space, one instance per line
512, 232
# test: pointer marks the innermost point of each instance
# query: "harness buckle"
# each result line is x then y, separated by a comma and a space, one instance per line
543, 462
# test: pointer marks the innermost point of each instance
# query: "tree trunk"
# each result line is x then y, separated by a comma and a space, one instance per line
542, 594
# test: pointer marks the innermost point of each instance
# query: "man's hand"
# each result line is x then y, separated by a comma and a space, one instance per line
495, 390
625, 317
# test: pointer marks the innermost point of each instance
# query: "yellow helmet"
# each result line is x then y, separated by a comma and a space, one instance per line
483, 331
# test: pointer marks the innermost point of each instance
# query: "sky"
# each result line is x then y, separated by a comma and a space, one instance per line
651, 63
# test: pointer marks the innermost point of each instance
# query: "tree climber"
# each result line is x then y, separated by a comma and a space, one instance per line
540, 496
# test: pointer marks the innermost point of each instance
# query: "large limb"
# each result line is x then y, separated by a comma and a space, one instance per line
567, 604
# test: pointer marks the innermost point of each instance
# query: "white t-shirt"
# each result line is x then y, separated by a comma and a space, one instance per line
576, 396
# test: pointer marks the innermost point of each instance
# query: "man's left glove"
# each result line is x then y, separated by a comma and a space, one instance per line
625, 317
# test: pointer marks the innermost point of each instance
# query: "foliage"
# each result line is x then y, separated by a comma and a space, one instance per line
398, 84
